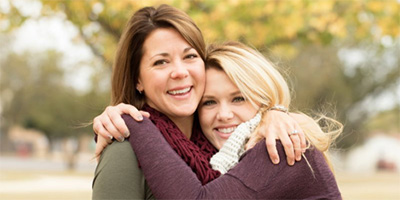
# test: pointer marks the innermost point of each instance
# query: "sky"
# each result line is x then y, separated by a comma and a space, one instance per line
53, 33
56, 33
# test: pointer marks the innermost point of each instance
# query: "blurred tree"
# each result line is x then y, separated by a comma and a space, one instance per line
35, 95
383, 122
309, 36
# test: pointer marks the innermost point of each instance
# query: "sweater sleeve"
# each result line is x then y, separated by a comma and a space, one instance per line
169, 177
228, 156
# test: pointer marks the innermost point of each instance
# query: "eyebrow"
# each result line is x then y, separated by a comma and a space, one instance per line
231, 94
236, 93
166, 54
187, 49
159, 54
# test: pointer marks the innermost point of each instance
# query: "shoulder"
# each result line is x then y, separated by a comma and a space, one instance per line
118, 175
117, 151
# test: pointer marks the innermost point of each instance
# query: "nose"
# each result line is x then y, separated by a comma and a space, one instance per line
179, 70
224, 113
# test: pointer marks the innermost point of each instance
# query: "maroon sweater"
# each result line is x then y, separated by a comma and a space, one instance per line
255, 177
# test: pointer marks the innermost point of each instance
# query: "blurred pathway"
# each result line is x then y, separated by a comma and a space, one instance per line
22, 178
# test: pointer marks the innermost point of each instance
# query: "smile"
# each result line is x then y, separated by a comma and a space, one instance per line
226, 130
179, 92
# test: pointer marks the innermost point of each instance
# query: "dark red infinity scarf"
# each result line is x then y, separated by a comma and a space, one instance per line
196, 152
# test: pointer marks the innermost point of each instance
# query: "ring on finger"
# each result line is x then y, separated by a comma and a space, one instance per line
294, 132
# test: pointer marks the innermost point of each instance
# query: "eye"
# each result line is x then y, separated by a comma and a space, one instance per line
191, 56
160, 62
238, 99
208, 103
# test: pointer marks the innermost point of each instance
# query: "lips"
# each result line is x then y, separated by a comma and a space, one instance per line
225, 132
180, 91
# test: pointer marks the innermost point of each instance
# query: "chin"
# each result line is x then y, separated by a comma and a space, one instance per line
218, 146
186, 110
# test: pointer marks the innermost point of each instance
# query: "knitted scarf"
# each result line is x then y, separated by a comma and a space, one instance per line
196, 152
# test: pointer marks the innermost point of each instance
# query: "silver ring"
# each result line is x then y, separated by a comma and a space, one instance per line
294, 132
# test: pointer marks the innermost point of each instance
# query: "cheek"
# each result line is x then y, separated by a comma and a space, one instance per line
202, 117
199, 74
149, 77
206, 119
246, 112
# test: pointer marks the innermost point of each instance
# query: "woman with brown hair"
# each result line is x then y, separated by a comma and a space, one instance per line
159, 68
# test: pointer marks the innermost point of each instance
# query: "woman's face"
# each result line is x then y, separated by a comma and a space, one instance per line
222, 108
172, 74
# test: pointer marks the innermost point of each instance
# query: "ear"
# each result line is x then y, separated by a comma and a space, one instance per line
139, 86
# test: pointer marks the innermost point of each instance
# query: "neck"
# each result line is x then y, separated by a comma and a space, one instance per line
185, 124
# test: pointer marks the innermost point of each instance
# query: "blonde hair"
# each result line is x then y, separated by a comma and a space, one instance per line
262, 84
126, 68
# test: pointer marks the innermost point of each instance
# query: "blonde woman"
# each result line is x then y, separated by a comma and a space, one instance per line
251, 86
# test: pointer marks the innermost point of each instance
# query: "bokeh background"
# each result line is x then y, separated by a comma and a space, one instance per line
341, 58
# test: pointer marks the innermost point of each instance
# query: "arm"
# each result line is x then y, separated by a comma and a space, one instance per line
128, 183
167, 174
169, 177
275, 125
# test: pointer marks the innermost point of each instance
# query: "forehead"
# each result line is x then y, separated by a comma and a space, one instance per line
164, 39
218, 78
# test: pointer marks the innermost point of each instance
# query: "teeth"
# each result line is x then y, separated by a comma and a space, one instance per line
226, 130
179, 91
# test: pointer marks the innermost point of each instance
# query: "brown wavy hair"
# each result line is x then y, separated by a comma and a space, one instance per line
126, 67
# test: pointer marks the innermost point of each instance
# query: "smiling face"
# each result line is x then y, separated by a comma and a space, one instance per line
172, 74
222, 107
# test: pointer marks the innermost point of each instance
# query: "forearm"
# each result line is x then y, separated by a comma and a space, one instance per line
167, 174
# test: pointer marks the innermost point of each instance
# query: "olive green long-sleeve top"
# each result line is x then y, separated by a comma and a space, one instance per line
118, 175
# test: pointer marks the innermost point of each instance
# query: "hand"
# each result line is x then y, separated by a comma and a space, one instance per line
101, 144
278, 125
110, 124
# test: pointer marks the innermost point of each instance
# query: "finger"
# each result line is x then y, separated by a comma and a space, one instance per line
299, 117
286, 141
96, 123
272, 151
296, 145
288, 146
114, 114
131, 110
100, 130
109, 126
145, 114
268, 131
303, 142
100, 146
